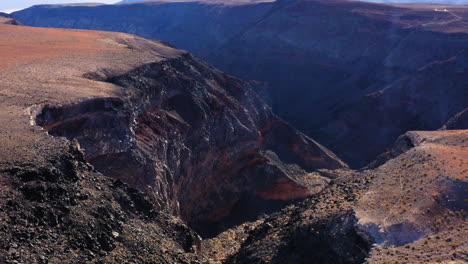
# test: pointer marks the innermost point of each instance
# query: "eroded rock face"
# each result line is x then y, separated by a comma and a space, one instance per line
404, 143
83, 119
201, 142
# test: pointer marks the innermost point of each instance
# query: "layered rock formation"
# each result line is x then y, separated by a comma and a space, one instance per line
201, 143
55, 207
350, 74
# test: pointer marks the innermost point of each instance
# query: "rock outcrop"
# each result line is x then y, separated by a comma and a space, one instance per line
415, 201
55, 207
201, 142
352, 75
111, 144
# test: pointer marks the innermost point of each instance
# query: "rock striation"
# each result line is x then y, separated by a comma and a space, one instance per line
201, 142
112, 144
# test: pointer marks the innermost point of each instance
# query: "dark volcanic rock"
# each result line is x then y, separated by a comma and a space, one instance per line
64, 212
190, 135
201, 142
352, 75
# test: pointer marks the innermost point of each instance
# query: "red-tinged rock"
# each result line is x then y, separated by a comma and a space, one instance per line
155, 117
195, 139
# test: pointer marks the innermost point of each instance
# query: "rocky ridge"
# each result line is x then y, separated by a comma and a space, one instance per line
458, 121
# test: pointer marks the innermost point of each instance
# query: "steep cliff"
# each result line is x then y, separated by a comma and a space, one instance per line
349, 74
201, 142
55, 207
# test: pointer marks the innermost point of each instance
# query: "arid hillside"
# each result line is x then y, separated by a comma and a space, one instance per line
411, 209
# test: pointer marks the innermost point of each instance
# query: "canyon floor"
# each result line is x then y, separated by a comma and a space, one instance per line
119, 149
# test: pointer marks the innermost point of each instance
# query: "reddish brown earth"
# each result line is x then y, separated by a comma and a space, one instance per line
41, 66
201, 142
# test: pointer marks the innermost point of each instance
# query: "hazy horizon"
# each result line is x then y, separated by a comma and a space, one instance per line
22, 4
12, 6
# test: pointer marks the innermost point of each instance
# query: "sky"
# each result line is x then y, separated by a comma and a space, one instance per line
9, 6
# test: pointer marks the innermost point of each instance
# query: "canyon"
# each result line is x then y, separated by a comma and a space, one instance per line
340, 71
167, 123
120, 149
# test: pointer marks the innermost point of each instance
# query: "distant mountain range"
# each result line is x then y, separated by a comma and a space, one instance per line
452, 2
209, 1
